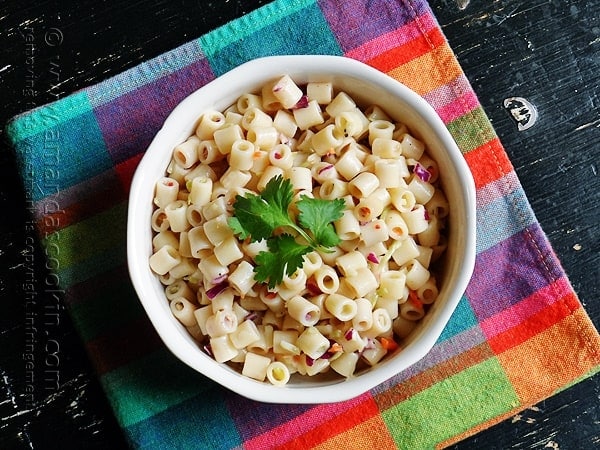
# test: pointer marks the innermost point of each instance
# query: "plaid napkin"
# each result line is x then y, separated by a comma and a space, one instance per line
518, 317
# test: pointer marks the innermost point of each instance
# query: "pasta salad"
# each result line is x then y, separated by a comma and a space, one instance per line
296, 232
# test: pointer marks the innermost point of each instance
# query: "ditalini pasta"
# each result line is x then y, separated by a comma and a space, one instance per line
345, 307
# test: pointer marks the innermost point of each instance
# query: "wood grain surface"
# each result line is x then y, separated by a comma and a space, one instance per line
546, 51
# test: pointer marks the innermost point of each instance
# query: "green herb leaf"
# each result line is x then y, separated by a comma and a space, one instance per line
284, 258
258, 216
317, 215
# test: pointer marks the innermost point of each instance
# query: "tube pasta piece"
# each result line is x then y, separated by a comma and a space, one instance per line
352, 341
363, 184
428, 292
430, 237
186, 153
374, 231
303, 311
326, 279
342, 307
242, 278
208, 152
166, 279
345, 365
278, 373
223, 301
438, 205
349, 164
284, 123
265, 342
269, 173
327, 139
349, 263
416, 275
396, 226
321, 92
162, 238
374, 354
422, 190
217, 229
248, 101
166, 191
363, 319
323, 171
412, 310
284, 342
175, 213
221, 323
295, 281
183, 310
241, 156
347, 227
363, 282
200, 191
315, 367
390, 305
352, 123
301, 178
264, 138
269, 102
391, 285
312, 343
382, 323
412, 147
287, 92
415, 219
281, 156
212, 269
403, 327
386, 148
184, 269
402, 199
309, 116
371, 207
391, 172
312, 262
380, 129
405, 251
375, 112
228, 251
193, 214
210, 121
245, 334
255, 117
164, 259
222, 348
225, 137
341, 103
425, 255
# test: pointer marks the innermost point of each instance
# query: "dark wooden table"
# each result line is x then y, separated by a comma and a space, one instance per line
546, 51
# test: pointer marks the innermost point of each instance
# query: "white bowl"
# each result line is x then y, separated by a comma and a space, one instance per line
364, 84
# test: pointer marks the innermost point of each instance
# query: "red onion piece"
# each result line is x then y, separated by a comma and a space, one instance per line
309, 361
422, 172
372, 257
324, 168
302, 103
216, 290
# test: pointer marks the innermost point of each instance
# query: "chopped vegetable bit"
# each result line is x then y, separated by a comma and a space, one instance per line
422, 172
257, 217
388, 344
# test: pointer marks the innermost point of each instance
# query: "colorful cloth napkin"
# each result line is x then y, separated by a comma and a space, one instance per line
519, 334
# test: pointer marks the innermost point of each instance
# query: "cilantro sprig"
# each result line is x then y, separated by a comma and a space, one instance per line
266, 216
